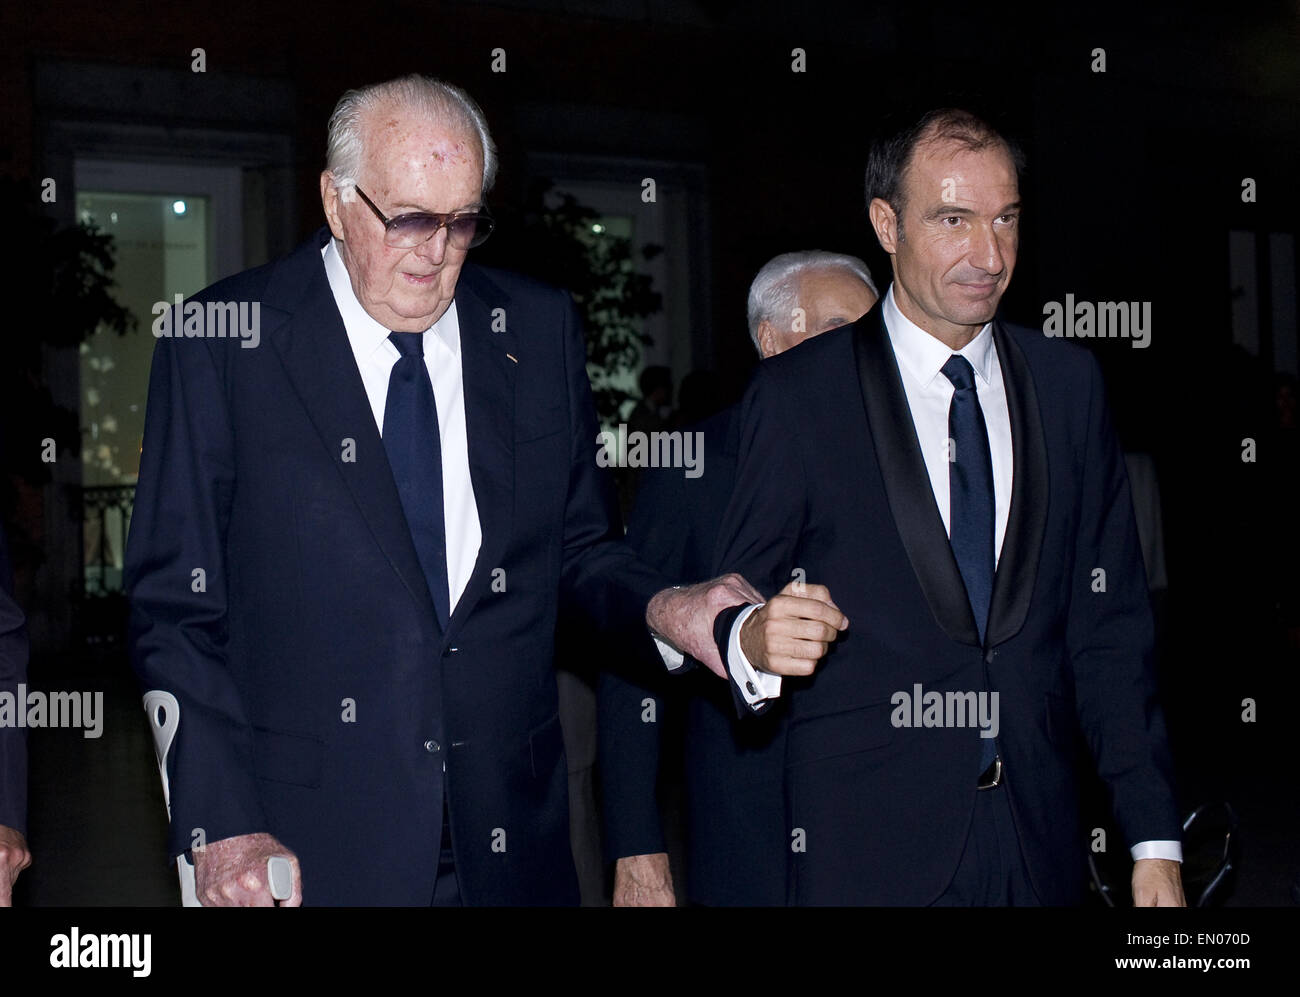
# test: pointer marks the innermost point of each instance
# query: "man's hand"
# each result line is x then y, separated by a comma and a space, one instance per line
232, 872
684, 616
643, 881
1157, 883
790, 634
14, 858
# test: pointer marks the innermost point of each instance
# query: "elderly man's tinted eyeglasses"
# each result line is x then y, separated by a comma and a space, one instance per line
464, 231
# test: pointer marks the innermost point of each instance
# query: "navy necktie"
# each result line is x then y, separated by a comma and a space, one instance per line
415, 454
970, 490
970, 498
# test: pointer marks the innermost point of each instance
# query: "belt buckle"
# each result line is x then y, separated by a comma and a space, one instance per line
991, 776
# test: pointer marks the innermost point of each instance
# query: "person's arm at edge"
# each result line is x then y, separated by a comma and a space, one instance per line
15, 856
1110, 636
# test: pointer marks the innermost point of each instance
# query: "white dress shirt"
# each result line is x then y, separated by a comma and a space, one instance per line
375, 357
929, 393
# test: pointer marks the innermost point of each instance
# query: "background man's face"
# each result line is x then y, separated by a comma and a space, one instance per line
830, 298
960, 234
409, 165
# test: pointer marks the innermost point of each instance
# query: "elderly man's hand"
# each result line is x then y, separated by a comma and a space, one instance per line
1158, 883
14, 858
790, 634
684, 616
643, 881
232, 872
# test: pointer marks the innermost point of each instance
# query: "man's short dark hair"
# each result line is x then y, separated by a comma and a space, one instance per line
892, 153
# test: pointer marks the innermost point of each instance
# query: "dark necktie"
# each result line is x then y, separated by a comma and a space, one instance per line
970, 490
415, 455
970, 498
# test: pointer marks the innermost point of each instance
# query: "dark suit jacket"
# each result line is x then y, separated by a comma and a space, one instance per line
735, 842
831, 480
13, 672
315, 603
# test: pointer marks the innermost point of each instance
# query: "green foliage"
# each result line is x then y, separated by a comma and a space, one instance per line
62, 279
552, 239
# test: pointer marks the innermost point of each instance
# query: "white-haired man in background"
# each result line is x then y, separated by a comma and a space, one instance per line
733, 770
800, 295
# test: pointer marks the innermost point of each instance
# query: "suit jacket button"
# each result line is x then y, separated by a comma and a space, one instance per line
432, 746
989, 656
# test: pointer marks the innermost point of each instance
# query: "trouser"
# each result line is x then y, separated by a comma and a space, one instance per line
991, 872
446, 891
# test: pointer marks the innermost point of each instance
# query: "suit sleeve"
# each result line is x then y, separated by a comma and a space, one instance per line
629, 751
601, 575
630, 736
760, 532
1110, 637
178, 624
13, 672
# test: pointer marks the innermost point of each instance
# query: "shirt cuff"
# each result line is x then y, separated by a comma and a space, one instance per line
674, 660
755, 686
1172, 850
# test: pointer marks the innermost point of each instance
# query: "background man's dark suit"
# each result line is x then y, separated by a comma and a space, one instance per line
831, 481
735, 846
314, 595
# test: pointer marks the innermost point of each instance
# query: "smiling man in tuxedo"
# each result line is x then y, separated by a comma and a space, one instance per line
350, 542
955, 485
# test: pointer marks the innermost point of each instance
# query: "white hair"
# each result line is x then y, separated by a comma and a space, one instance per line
774, 292
440, 102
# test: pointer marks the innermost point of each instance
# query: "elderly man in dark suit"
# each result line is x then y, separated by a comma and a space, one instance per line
954, 486
354, 526
733, 781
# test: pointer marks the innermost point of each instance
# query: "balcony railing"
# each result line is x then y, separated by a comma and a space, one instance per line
105, 519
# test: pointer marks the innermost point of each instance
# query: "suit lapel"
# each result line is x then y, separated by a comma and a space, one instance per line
314, 348
1013, 585
489, 378
911, 498
906, 481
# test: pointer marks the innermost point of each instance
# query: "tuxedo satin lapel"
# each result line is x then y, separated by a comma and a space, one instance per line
489, 377
906, 481
314, 348
1013, 586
